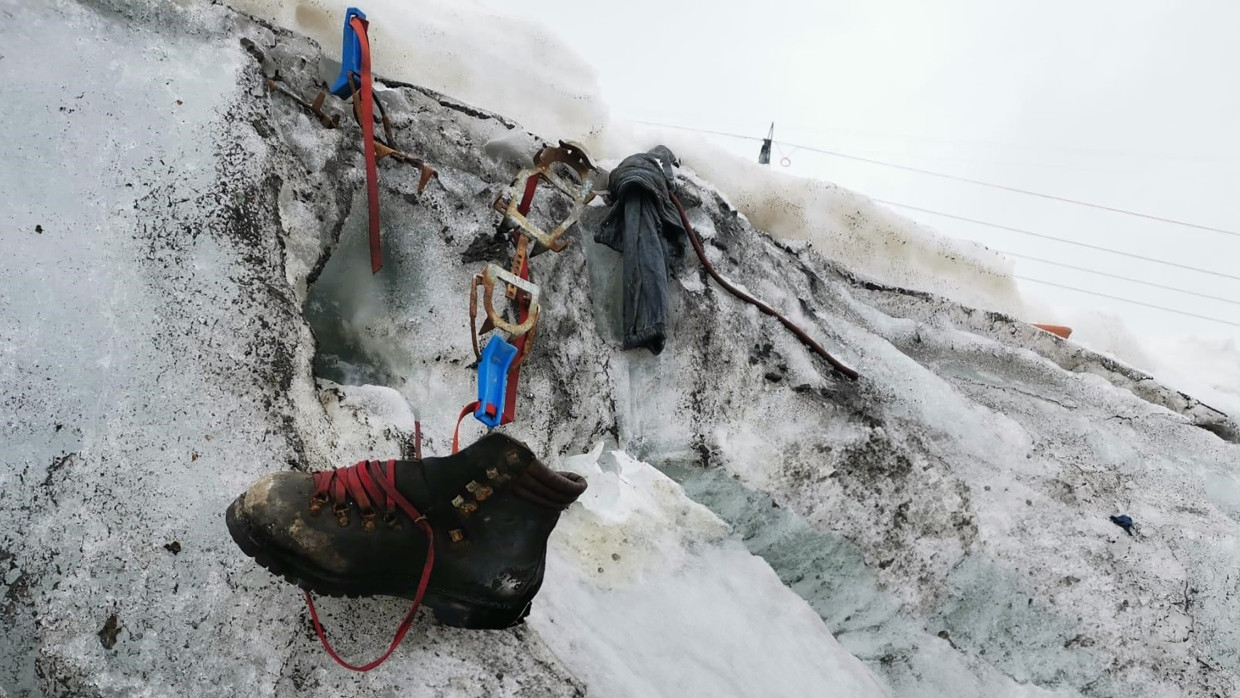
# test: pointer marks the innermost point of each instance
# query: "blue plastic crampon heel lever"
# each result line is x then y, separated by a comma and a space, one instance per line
350, 56
493, 380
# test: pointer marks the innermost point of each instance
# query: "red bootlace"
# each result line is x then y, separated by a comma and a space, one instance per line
372, 485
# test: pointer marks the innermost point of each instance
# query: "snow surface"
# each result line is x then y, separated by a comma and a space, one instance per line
1207, 368
648, 595
943, 521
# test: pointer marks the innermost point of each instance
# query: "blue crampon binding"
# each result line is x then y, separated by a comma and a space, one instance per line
350, 56
493, 380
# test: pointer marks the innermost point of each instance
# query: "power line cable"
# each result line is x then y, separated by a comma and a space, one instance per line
1129, 300
1119, 276
1058, 239
1012, 145
1027, 232
933, 157
932, 173
698, 130
1024, 191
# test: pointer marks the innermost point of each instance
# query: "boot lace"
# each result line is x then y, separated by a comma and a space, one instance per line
372, 485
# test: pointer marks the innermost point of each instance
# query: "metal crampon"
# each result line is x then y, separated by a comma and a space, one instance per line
576, 180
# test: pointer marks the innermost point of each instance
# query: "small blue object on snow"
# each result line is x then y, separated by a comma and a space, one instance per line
350, 55
493, 380
1124, 521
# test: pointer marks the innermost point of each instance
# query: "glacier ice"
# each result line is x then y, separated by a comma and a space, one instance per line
939, 528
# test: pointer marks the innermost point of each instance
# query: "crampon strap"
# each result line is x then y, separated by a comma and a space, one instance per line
372, 486
808, 341
523, 310
366, 114
456, 433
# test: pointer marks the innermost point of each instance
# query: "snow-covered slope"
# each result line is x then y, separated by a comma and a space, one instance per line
939, 527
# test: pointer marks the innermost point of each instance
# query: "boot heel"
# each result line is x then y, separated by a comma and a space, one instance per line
462, 614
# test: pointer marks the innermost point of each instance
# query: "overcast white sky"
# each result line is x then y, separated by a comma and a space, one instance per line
1131, 105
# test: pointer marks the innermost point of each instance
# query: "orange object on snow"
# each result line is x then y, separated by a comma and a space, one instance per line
1057, 330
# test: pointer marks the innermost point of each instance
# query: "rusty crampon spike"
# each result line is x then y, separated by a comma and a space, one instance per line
315, 107
384, 150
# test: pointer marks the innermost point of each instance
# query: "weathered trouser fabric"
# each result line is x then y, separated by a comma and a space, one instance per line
644, 227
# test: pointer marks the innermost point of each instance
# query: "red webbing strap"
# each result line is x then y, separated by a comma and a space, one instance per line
527, 199
407, 622
727, 286
367, 116
523, 310
514, 374
467, 410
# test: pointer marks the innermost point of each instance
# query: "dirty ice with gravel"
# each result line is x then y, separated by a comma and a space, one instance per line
186, 305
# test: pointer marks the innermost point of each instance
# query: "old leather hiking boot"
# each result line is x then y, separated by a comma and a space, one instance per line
364, 530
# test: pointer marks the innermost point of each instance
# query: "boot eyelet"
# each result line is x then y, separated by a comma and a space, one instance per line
457, 535
457, 501
492, 473
472, 486
317, 502
391, 521
368, 521
482, 493
513, 457
342, 514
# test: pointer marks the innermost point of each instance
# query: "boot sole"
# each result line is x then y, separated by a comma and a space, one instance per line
446, 608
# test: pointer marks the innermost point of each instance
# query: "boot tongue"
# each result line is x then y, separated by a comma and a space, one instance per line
546, 487
434, 481
412, 482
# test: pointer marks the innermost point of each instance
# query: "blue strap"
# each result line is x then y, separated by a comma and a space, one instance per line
493, 380
350, 55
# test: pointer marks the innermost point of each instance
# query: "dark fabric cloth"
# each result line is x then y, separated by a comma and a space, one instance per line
1124, 521
644, 226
